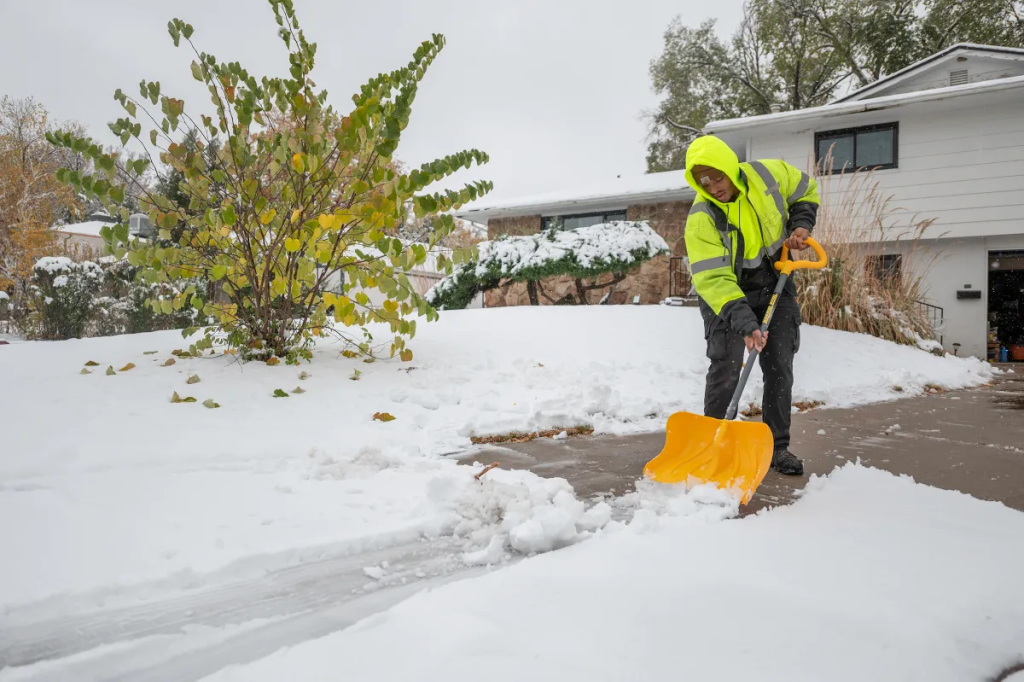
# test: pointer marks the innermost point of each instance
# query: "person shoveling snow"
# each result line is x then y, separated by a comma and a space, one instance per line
738, 234
760, 206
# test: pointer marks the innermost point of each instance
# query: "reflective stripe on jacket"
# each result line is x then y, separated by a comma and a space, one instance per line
774, 199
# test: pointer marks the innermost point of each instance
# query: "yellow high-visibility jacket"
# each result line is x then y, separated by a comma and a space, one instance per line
774, 199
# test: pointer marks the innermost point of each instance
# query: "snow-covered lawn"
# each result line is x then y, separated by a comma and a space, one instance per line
104, 483
868, 577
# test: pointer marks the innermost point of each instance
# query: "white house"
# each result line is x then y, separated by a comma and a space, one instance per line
946, 137
87, 233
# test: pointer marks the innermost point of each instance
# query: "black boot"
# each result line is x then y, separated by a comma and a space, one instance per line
786, 463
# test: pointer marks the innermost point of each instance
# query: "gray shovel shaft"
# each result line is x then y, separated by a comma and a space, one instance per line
734, 404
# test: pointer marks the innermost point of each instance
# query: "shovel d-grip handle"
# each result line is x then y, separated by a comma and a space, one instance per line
786, 267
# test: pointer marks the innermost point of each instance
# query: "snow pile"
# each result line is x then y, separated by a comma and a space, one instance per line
808, 592
516, 510
134, 488
4, 296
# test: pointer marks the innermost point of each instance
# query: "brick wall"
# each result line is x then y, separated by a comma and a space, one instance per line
515, 227
649, 281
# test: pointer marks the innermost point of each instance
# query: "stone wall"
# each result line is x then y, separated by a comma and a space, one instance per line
649, 281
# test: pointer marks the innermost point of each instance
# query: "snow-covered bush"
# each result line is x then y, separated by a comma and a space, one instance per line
69, 299
584, 253
131, 307
63, 297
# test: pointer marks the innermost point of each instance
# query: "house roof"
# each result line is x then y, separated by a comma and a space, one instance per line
607, 195
672, 185
872, 104
959, 49
90, 228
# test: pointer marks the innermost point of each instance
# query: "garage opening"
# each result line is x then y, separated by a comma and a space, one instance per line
1006, 306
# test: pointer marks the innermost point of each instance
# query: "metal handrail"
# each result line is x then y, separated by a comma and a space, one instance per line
937, 315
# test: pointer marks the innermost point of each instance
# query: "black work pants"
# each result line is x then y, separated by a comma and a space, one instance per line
726, 351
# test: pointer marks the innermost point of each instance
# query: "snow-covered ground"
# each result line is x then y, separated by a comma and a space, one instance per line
869, 576
106, 482
111, 495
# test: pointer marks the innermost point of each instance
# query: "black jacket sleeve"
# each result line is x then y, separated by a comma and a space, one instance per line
802, 214
740, 317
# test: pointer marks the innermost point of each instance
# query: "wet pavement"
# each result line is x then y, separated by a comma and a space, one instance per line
971, 441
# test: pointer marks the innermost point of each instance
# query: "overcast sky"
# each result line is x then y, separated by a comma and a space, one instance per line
552, 90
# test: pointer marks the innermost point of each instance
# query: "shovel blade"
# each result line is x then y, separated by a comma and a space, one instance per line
731, 454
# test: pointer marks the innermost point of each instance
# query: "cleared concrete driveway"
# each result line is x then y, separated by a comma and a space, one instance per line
971, 441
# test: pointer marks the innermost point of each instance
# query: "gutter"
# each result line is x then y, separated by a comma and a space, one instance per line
581, 205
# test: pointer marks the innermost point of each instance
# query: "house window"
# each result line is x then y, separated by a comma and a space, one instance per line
571, 222
869, 147
885, 268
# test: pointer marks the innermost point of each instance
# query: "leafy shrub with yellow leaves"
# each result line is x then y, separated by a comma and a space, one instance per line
297, 196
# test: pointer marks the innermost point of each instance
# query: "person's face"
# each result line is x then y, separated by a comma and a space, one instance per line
715, 182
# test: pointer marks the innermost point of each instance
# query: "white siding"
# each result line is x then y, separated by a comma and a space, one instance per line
961, 162
963, 264
979, 69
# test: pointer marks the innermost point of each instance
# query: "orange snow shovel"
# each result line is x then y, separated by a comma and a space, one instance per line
732, 454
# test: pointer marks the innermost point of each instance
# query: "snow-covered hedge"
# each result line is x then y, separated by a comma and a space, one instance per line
69, 299
583, 253
65, 296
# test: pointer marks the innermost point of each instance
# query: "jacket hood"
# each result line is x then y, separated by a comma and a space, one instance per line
708, 150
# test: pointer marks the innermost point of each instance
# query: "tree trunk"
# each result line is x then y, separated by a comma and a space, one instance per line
581, 291
531, 288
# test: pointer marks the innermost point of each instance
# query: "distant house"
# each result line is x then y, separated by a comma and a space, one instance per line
87, 233
662, 199
946, 139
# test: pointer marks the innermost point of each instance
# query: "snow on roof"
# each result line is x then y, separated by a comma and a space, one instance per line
618, 193
873, 104
959, 47
89, 228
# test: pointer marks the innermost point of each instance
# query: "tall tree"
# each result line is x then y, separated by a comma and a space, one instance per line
31, 198
870, 38
774, 58
988, 22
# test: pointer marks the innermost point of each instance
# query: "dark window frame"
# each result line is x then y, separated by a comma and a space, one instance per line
885, 267
545, 221
823, 135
